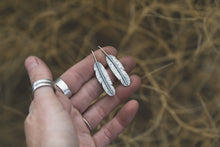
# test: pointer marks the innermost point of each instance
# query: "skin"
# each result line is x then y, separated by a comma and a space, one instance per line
55, 120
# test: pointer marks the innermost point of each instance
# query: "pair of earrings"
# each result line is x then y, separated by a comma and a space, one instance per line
116, 67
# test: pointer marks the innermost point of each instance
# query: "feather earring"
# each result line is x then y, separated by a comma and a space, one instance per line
103, 77
117, 68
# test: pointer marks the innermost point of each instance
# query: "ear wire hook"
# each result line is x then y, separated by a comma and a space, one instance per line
103, 50
94, 56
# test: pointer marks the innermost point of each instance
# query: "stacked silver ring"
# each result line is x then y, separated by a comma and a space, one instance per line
63, 87
42, 83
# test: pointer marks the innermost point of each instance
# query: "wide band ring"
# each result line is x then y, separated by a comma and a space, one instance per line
41, 83
63, 87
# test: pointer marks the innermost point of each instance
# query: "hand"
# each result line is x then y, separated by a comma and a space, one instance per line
55, 120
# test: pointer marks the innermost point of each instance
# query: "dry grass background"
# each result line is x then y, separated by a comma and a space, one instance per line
175, 43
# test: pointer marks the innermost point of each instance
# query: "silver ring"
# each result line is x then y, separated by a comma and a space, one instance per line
63, 87
41, 83
87, 124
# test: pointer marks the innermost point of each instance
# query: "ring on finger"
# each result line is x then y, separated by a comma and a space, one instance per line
42, 83
63, 87
87, 124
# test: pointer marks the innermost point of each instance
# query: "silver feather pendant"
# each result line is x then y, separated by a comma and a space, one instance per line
117, 68
103, 77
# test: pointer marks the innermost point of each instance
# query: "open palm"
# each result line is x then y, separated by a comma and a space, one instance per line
56, 120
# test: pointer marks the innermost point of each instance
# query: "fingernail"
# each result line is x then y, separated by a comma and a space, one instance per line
31, 62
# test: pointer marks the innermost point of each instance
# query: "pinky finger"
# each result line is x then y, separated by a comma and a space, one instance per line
113, 128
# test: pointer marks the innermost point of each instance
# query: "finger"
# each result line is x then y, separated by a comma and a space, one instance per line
113, 128
97, 112
92, 89
37, 70
78, 74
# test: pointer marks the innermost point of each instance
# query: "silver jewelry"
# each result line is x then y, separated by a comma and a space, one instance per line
41, 83
103, 77
63, 87
117, 68
87, 124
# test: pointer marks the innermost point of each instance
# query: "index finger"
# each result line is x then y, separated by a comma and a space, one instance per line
81, 72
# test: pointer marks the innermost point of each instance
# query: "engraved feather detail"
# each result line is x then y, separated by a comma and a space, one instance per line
117, 68
103, 78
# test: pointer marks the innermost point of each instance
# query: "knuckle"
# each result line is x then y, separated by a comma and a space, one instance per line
79, 76
77, 79
28, 121
108, 134
101, 111
90, 92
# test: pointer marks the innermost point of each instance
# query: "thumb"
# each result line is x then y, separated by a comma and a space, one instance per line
37, 70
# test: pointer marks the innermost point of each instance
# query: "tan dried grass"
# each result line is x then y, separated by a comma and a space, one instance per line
175, 43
